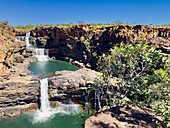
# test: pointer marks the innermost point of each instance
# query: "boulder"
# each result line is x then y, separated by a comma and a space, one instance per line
123, 116
19, 59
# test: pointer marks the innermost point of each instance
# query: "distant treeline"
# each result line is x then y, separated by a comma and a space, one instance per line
29, 27
4, 22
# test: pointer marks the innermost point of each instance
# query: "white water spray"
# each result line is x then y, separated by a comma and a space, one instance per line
18, 38
46, 112
27, 39
41, 54
45, 107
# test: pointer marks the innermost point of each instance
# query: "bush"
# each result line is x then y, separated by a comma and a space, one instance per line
134, 73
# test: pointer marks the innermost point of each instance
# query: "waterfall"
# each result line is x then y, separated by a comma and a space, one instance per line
45, 107
27, 39
41, 54
45, 111
17, 38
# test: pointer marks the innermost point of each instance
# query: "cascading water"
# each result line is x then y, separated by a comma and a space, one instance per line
41, 54
45, 107
17, 38
27, 39
45, 111
63, 116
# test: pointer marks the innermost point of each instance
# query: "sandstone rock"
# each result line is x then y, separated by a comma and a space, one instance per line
68, 83
19, 59
78, 64
21, 32
16, 93
15, 111
122, 116
32, 40
23, 74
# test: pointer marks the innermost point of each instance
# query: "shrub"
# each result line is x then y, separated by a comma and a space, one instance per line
132, 74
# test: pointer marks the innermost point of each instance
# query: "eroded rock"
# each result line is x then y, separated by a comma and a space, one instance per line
69, 84
123, 116
19, 59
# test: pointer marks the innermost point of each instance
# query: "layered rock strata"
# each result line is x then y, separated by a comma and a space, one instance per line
19, 91
69, 85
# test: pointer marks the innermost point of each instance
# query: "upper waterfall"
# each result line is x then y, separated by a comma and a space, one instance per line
27, 39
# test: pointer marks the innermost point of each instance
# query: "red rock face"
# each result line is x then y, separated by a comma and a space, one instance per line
21, 32
82, 41
6, 44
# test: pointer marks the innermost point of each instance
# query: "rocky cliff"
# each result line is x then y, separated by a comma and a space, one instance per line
85, 42
9, 48
19, 92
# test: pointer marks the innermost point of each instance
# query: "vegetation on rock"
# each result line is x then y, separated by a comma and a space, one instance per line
136, 74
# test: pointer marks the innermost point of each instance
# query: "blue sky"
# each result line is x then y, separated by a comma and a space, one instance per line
24, 12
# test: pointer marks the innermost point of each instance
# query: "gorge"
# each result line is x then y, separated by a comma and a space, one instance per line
32, 76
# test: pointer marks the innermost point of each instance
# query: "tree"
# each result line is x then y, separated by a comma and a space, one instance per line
134, 73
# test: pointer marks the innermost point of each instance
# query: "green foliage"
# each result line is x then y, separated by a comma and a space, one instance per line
46, 36
82, 38
76, 38
4, 22
9, 46
27, 27
94, 53
84, 115
131, 75
166, 25
24, 52
87, 43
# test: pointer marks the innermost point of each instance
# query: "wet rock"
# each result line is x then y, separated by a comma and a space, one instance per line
32, 40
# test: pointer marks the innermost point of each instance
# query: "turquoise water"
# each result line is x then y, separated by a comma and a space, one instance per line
58, 121
50, 66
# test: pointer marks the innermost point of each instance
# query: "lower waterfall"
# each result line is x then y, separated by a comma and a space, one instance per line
45, 107
46, 112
